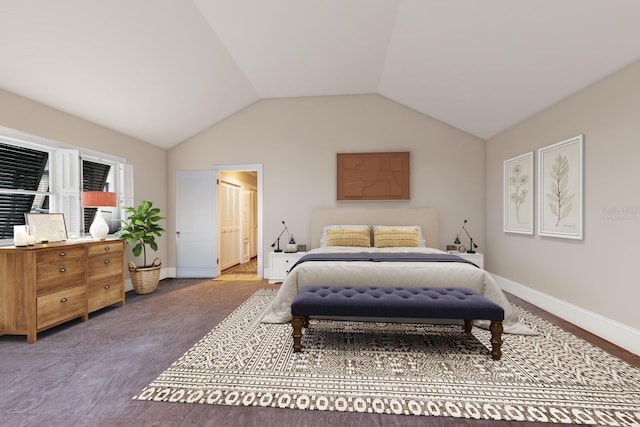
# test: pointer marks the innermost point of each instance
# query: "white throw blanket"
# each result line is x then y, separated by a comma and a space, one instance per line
363, 273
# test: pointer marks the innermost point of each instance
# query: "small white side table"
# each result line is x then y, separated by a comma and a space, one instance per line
281, 263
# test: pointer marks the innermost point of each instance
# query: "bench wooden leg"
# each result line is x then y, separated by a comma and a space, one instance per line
468, 325
297, 322
496, 339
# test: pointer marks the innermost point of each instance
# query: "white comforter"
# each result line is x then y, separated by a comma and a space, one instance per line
360, 273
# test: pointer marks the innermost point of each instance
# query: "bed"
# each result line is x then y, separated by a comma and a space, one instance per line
393, 272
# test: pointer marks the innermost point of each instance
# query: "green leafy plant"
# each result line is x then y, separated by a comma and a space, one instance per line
141, 228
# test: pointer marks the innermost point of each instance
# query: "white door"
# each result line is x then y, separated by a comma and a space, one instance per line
196, 224
230, 225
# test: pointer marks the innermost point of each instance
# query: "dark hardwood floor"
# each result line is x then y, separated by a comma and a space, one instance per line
84, 374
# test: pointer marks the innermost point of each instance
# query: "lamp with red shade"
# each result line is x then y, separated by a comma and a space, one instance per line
97, 199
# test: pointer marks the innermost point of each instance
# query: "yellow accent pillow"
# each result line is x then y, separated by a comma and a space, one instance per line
396, 237
348, 237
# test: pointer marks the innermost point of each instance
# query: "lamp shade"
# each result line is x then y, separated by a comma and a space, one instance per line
95, 199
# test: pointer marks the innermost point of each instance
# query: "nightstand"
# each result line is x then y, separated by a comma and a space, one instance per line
477, 258
280, 264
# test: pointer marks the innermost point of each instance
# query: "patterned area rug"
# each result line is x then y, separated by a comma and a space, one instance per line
432, 370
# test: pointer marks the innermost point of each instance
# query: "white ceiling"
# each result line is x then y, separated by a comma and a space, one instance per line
164, 70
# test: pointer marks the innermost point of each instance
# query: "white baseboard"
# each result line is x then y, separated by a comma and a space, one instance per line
127, 285
169, 272
608, 329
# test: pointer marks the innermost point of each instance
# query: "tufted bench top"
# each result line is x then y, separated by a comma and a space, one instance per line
395, 302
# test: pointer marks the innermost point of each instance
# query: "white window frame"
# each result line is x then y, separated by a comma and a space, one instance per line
65, 177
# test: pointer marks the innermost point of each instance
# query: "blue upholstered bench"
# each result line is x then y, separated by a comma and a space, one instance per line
396, 302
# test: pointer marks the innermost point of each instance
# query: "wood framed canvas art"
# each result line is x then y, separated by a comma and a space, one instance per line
373, 176
560, 191
518, 194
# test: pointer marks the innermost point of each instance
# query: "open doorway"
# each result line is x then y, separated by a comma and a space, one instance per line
239, 222
199, 215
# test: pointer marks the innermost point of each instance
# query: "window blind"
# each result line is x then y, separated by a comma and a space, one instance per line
21, 168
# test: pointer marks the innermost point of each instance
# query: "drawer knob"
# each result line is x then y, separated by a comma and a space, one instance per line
62, 254
106, 248
106, 261
107, 286
62, 270
63, 300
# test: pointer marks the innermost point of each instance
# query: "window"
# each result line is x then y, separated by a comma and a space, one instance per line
98, 175
44, 176
24, 185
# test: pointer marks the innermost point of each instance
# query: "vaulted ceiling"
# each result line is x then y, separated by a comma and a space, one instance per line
164, 70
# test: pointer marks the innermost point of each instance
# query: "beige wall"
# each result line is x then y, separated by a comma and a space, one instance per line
150, 162
296, 141
599, 273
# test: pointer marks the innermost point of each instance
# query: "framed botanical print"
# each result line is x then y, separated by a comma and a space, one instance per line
518, 194
560, 190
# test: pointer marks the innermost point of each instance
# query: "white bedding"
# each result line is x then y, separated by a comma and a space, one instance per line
360, 273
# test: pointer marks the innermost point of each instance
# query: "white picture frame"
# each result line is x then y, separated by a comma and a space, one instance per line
518, 195
561, 189
49, 227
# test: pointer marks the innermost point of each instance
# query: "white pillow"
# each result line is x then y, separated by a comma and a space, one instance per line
421, 240
323, 238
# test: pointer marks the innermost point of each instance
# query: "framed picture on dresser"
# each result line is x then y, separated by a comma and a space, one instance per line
518, 194
48, 227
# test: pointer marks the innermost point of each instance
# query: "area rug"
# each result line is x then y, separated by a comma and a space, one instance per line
414, 369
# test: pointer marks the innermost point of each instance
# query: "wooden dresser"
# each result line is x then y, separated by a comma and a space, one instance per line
45, 285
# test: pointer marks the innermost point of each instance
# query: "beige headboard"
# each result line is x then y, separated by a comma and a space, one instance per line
425, 217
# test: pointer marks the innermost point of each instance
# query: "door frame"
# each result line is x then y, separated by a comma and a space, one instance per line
248, 167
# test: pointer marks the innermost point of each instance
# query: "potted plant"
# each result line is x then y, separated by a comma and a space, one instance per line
141, 228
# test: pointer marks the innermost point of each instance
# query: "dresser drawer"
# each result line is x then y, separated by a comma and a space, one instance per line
102, 293
60, 268
107, 247
60, 306
105, 265
57, 254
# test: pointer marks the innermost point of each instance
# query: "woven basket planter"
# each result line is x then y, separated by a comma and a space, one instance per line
145, 279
